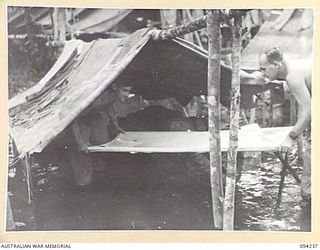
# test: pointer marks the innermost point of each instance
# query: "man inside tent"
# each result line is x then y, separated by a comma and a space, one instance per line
93, 127
298, 75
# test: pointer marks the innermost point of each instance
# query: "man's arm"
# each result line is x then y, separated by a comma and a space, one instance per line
81, 137
254, 78
113, 117
301, 93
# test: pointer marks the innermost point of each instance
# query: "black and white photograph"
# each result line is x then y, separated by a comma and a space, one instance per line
159, 119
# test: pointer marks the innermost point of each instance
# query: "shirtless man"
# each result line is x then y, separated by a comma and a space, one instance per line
298, 75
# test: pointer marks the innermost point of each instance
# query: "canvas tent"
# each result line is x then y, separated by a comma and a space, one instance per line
156, 69
291, 31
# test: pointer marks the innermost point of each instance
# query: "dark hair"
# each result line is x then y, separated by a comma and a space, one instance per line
273, 54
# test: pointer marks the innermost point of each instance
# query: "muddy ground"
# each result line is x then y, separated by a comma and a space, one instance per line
155, 192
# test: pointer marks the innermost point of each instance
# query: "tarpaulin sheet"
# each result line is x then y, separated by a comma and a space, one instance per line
70, 88
291, 32
250, 139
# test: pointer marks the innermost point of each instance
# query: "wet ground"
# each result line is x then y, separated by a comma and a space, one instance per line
155, 192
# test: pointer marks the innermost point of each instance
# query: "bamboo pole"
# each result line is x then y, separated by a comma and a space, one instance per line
228, 206
214, 44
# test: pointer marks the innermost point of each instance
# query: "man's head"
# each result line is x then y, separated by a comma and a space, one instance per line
122, 91
271, 63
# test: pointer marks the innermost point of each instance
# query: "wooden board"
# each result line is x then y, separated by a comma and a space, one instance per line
250, 139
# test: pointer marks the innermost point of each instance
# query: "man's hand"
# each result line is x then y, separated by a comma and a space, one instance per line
170, 103
84, 147
287, 144
120, 130
258, 78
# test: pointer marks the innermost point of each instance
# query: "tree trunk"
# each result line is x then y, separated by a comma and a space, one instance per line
214, 35
59, 24
228, 208
55, 21
28, 20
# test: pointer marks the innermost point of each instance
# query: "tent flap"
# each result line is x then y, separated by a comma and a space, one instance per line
76, 82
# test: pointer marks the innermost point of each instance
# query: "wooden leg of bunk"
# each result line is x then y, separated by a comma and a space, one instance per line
285, 167
28, 174
281, 185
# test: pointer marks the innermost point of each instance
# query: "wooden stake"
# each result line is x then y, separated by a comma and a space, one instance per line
228, 206
28, 178
214, 44
10, 221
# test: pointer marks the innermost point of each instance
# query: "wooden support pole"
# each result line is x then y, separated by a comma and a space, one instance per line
28, 177
9, 219
281, 185
285, 167
59, 24
181, 30
285, 163
195, 25
214, 44
228, 206
252, 115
